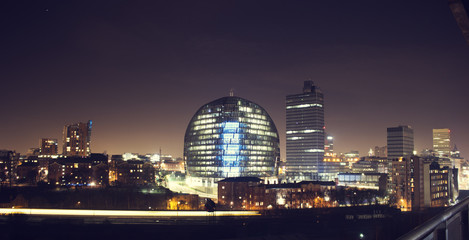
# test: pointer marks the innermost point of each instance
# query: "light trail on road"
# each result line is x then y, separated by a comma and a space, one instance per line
122, 213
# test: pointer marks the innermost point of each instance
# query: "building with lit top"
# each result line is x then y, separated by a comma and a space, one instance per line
48, 147
77, 139
442, 142
305, 133
230, 137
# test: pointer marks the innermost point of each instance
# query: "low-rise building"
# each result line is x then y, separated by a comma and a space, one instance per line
249, 193
376, 181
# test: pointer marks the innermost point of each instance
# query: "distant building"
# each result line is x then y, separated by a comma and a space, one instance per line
370, 165
442, 142
125, 170
33, 152
352, 156
172, 165
376, 181
381, 152
329, 145
27, 171
464, 176
408, 183
79, 171
253, 194
440, 185
455, 152
400, 142
382, 164
9, 161
48, 147
421, 182
77, 139
305, 134
230, 137
234, 192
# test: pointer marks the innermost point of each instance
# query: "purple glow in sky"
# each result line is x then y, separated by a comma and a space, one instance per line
140, 69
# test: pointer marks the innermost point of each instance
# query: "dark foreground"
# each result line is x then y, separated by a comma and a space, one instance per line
372, 222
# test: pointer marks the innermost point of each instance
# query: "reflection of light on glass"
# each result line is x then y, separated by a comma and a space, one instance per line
231, 149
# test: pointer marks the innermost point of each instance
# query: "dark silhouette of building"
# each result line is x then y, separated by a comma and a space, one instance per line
460, 10
400, 142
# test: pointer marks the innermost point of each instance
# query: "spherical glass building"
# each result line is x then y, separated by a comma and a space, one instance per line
231, 137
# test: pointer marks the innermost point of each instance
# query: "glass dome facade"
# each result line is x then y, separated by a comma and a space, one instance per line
231, 137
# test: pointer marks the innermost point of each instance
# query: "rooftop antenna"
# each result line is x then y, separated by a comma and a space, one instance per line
231, 92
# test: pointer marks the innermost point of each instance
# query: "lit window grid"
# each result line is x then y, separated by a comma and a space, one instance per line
205, 141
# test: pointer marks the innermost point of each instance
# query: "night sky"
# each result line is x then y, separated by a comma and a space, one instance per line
141, 69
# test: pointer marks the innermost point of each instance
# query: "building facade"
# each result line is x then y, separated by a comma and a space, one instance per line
77, 139
440, 185
408, 185
48, 147
9, 161
253, 194
305, 133
230, 137
400, 142
442, 142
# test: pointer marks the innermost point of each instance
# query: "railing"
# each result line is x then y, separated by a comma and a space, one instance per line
452, 224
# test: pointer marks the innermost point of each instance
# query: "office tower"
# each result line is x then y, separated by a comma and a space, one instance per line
400, 142
230, 137
305, 133
77, 138
48, 146
441, 142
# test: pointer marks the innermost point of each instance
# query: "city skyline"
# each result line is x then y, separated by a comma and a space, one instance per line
140, 71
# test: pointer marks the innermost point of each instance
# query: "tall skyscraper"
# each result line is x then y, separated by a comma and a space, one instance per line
305, 133
441, 142
400, 142
48, 146
77, 139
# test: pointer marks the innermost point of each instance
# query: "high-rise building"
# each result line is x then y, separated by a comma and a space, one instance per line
48, 146
230, 137
441, 142
400, 142
305, 133
77, 139
408, 184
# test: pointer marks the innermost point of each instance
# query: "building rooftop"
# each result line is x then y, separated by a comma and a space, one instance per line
242, 179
